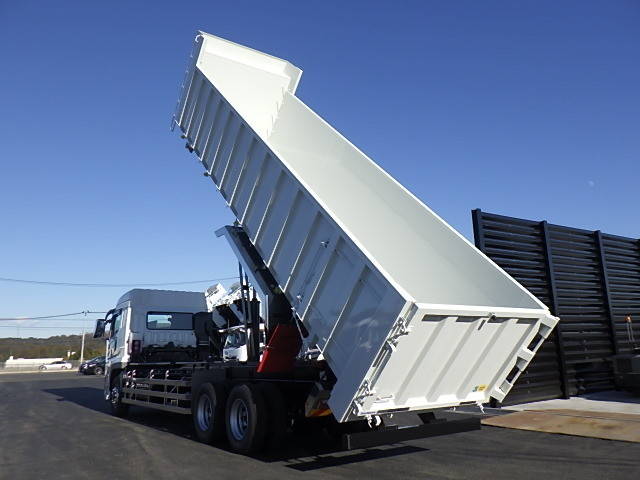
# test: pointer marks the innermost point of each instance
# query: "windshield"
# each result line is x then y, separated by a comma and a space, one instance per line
235, 339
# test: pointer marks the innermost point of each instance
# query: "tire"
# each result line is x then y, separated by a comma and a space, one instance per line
98, 371
118, 409
208, 410
42, 368
276, 415
246, 419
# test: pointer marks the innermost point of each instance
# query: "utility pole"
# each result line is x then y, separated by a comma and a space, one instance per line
82, 347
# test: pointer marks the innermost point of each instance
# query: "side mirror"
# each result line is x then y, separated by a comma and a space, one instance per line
100, 326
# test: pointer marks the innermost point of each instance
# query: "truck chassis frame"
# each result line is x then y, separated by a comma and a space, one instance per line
169, 387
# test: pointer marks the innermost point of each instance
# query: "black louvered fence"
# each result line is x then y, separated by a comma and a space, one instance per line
590, 279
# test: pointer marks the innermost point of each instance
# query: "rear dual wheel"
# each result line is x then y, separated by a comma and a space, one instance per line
253, 416
207, 408
246, 418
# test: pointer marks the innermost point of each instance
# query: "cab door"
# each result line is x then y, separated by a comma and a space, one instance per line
117, 343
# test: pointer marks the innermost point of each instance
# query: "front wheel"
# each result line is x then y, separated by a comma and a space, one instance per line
98, 371
118, 408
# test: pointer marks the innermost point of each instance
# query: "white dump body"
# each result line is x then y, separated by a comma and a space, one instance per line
408, 313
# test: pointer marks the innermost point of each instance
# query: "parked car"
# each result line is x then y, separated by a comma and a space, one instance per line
59, 365
95, 366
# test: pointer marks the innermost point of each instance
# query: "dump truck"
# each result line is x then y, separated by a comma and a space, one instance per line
356, 304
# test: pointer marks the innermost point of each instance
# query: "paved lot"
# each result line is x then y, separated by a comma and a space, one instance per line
56, 427
611, 401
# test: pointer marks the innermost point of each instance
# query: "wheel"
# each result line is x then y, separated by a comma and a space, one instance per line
98, 371
246, 419
276, 415
63, 367
118, 408
42, 368
207, 408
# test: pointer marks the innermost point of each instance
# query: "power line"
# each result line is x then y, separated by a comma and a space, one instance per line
43, 317
109, 285
86, 319
22, 327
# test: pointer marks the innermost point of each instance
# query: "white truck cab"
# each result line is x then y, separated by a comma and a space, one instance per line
144, 319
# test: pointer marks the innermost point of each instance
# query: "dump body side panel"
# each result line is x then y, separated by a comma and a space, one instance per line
361, 260
340, 296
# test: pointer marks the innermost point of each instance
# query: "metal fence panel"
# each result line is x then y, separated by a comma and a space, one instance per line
622, 260
589, 279
518, 247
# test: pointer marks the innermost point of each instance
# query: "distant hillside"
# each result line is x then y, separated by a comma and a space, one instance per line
50, 347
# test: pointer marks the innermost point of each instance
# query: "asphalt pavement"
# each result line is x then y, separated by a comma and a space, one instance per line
57, 427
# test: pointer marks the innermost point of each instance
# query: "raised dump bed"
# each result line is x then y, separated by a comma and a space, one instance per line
408, 314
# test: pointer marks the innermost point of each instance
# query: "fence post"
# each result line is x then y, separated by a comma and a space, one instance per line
553, 297
604, 280
478, 233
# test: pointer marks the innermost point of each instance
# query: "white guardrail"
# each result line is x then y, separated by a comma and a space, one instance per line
35, 367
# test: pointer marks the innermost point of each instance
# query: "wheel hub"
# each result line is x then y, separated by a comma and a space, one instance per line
239, 419
115, 395
204, 413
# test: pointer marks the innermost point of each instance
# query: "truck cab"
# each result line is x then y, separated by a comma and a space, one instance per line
149, 321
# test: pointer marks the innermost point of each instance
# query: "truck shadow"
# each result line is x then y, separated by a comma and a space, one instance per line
91, 398
88, 397
301, 451
315, 460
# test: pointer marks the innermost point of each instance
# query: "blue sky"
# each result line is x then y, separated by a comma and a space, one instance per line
528, 109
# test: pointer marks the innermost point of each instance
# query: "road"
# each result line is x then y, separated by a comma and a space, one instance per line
57, 427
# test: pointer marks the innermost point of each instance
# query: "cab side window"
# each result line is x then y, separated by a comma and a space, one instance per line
117, 322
